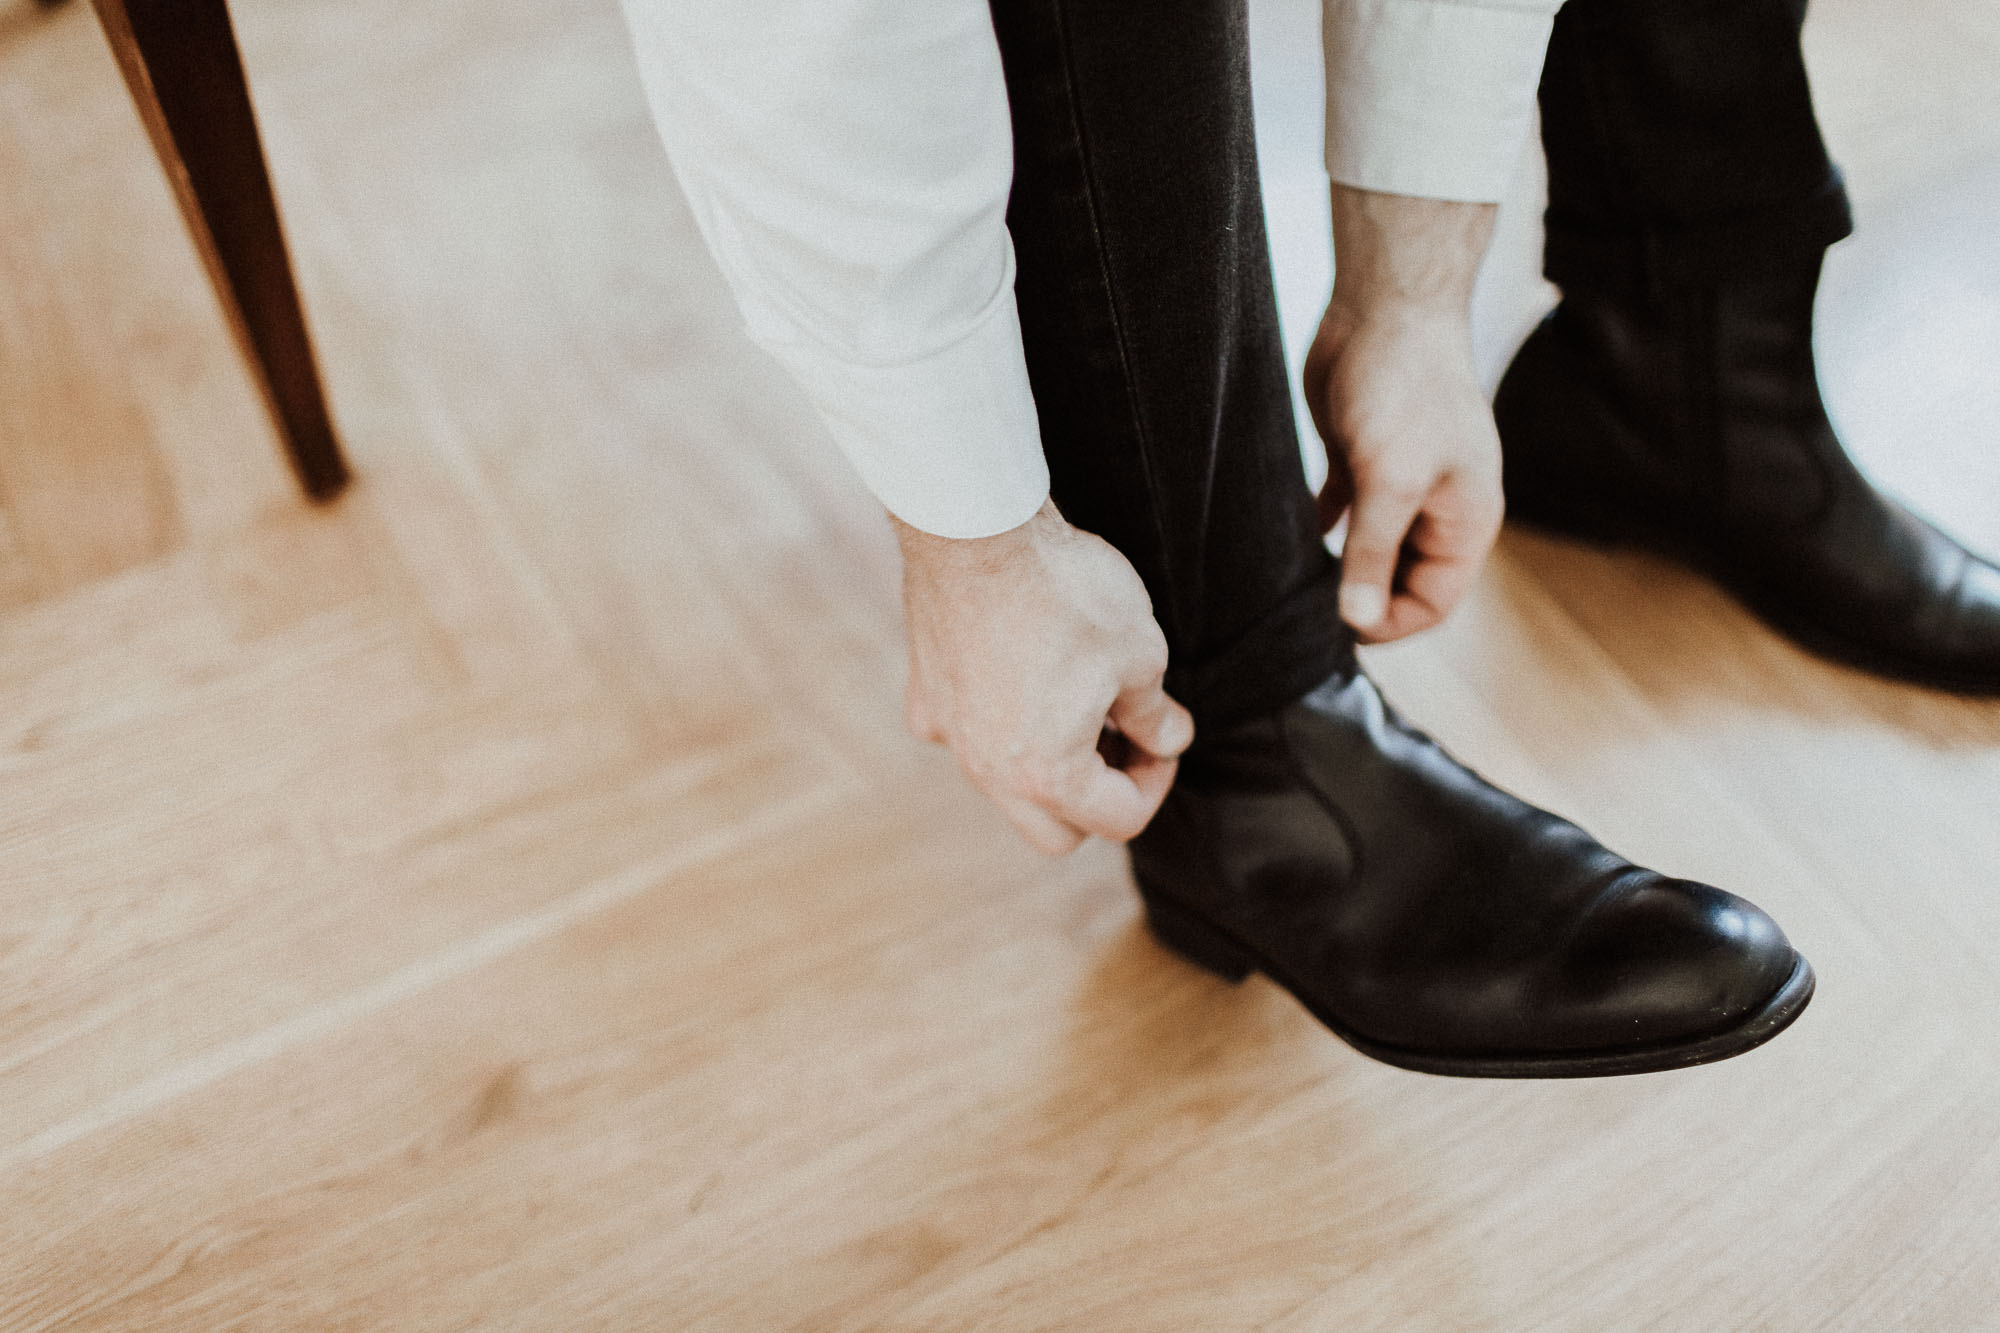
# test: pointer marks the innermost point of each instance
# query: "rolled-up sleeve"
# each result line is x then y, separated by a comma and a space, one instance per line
848, 163
1432, 98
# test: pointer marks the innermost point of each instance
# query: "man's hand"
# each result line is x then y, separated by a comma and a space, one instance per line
1034, 655
1413, 458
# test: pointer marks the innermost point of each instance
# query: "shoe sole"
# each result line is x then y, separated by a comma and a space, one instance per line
1217, 950
1814, 638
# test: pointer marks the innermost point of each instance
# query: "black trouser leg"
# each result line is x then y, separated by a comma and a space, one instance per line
1681, 143
1151, 331
1428, 918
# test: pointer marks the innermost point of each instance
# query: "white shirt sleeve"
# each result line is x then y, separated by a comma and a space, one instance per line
1432, 97
848, 163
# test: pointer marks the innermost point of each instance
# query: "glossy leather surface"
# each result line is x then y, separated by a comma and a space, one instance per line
1691, 422
1431, 918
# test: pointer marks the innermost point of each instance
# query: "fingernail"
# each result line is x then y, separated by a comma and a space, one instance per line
1363, 606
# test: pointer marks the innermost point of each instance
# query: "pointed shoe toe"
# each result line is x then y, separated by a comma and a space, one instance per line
1685, 969
1660, 974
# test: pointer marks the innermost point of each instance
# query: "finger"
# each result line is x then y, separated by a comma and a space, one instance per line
1378, 523
1040, 829
1409, 611
1407, 615
1426, 593
1430, 588
1152, 721
1118, 803
1103, 800
1447, 546
1336, 495
1153, 776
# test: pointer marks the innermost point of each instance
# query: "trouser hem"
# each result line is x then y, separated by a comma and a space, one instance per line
1278, 660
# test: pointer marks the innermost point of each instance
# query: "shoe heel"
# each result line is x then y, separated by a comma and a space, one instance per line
1197, 941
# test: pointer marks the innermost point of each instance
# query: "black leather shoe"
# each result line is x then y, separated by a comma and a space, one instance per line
1690, 422
1437, 923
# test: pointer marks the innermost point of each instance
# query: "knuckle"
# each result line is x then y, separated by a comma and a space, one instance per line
1399, 486
1038, 837
1366, 555
984, 774
1365, 463
1034, 783
1151, 657
1124, 827
1051, 839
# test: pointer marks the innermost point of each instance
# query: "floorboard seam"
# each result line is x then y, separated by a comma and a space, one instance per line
426, 973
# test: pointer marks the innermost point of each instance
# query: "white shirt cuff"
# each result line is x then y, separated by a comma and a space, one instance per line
949, 442
1431, 98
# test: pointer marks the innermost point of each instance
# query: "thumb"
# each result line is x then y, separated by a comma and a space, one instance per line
1376, 527
1152, 721
1112, 803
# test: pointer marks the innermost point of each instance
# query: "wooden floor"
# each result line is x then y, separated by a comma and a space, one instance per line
507, 898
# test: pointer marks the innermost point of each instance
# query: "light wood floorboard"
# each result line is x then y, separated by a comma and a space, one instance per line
507, 898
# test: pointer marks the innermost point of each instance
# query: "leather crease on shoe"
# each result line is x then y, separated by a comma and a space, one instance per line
1436, 922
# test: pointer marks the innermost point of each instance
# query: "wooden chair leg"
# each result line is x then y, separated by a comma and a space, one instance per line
180, 61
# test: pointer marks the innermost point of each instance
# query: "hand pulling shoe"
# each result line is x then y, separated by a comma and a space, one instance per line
1437, 923
1690, 422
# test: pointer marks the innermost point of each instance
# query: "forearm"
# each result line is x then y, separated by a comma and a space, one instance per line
970, 556
1397, 252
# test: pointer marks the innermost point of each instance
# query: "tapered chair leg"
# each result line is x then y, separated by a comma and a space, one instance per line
180, 61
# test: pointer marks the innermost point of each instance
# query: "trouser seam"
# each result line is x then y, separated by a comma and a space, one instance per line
1073, 102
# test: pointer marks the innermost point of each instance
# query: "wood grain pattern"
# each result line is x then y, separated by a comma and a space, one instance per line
508, 899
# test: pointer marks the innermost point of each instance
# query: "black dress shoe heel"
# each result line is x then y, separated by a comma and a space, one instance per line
1194, 939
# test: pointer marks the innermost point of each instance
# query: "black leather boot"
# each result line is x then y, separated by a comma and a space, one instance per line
1437, 923
1689, 421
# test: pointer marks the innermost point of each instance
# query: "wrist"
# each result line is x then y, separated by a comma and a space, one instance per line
1405, 256
975, 555
1412, 328
1353, 305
